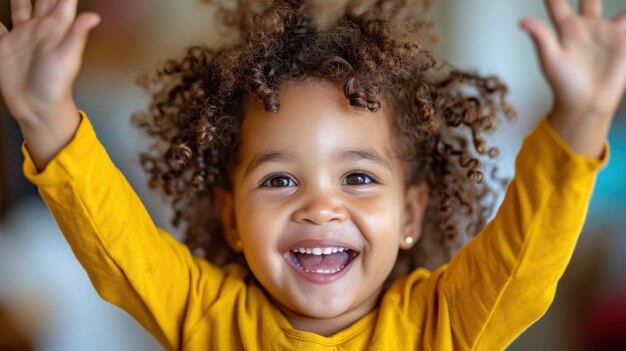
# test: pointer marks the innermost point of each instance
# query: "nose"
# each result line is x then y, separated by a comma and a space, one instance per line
319, 210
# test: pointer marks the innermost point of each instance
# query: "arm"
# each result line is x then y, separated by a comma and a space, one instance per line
506, 277
130, 262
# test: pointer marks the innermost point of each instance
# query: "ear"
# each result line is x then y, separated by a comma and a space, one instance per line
225, 206
416, 200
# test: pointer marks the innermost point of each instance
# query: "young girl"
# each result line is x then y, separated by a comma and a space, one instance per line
317, 152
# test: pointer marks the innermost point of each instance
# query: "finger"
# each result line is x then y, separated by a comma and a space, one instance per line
559, 10
620, 20
591, 8
76, 38
42, 7
3, 30
21, 11
546, 42
65, 9
65, 12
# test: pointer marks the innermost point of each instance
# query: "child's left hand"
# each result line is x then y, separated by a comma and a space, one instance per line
585, 64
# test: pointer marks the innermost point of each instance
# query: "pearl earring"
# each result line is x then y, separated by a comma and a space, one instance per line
238, 244
408, 240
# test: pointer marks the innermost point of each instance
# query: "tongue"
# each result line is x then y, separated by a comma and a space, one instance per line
323, 262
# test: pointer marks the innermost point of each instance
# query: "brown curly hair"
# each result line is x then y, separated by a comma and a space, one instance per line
376, 51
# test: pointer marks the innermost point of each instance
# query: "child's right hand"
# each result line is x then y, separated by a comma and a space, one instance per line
39, 61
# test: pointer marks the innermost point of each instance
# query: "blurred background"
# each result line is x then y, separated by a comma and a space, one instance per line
46, 299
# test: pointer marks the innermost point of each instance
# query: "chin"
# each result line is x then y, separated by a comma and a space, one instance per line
323, 308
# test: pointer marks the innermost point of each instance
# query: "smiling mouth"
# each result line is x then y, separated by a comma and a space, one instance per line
322, 260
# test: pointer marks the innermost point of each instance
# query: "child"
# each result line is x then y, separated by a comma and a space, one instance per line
370, 144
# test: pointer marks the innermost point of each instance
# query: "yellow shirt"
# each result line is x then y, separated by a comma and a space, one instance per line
493, 288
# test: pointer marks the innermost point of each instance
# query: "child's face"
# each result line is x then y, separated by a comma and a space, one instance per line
320, 175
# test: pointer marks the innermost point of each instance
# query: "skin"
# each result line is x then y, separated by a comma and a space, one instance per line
314, 126
39, 61
584, 62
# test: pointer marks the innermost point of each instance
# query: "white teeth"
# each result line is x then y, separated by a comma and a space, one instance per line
323, 271
319, 250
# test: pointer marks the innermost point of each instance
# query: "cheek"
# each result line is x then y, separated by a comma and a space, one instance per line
257, 221
380, 220
258, 230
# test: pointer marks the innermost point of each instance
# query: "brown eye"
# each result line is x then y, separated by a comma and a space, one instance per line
357, 179
278, 182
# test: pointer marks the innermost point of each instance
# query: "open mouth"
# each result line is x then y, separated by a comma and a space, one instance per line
322, 260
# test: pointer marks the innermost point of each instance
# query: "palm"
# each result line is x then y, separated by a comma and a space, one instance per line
31, 66
585, 62
39, 59
590, 63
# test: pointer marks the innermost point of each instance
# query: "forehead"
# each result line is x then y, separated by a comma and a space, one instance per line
315, 119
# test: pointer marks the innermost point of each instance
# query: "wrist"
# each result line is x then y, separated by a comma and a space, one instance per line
585, 134
46, 135
41, 117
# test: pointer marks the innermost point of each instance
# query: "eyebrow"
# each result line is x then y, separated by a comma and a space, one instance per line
267, 157
367, 154
345, 155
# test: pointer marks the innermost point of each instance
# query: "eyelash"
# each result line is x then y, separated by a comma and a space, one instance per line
264, 183
373, 179
270, 177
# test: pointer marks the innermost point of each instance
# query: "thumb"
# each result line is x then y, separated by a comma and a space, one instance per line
546, 42
76, 38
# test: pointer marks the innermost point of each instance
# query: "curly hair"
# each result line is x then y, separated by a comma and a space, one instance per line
442, 114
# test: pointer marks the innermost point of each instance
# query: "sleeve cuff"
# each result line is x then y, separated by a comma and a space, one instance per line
544, 147
598, 163
66, 163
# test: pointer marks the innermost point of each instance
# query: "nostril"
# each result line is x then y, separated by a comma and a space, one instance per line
320, 212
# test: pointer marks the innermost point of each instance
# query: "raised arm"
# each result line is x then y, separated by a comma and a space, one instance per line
505, 278
130, 262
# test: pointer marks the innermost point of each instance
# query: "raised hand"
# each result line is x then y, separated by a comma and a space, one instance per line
585, 64
39, 61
